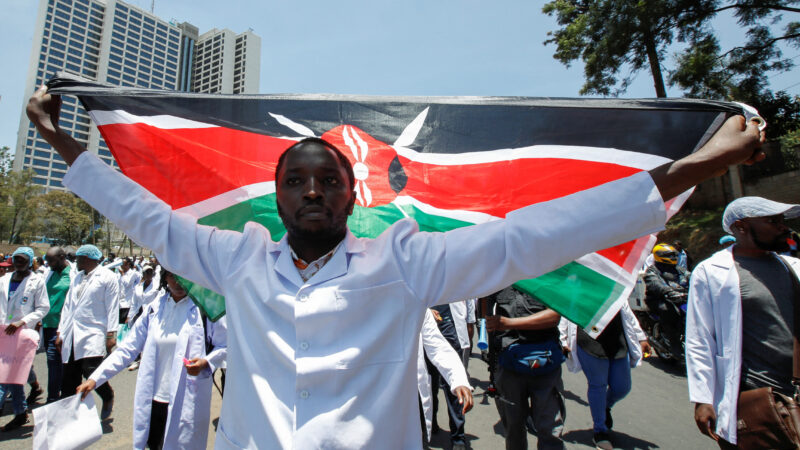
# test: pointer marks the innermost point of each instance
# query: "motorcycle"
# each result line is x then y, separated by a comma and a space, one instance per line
652, 323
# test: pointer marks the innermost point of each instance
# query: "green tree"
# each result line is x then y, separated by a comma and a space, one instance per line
630, 35
64, 217
16, 192
612, 36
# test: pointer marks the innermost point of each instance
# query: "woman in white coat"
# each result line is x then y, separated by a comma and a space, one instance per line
606, 361
173, 388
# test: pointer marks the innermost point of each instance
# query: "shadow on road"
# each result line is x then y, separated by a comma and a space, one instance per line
569, 395
673, 368
621, 440
441, 439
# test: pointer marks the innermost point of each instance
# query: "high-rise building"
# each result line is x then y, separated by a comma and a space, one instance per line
227, 63
112, 42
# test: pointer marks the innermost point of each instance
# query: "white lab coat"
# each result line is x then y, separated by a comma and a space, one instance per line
190, 397
29, 302
460, 312
142, 297
331, 362
568, 332
441, 355
127, 284
86, 319
714, 337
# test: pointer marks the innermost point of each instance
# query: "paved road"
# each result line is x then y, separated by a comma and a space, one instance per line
656, 414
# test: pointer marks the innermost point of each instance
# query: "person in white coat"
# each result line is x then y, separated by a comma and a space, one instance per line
144, 293
129, 277
441, 354
321, 322
173, 387
739, 332
23, 303
606, 361
89, 322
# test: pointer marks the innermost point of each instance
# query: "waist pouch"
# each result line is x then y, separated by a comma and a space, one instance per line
539, 358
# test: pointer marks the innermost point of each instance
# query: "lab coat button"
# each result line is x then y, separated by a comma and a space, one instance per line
304, 345
304, 394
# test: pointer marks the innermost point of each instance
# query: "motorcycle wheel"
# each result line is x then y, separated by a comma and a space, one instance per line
663, 355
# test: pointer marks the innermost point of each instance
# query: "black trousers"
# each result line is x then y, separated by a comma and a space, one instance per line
123, 315
158, 425
76, 371
453, 408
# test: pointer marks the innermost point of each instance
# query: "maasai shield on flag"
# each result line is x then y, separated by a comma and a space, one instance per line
445, 162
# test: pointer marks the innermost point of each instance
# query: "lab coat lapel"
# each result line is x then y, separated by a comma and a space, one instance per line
283, 264
338, 264
16, 297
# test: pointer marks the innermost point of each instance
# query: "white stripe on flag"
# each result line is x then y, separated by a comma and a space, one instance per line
464, 216
230, 198
123, 117
641, 161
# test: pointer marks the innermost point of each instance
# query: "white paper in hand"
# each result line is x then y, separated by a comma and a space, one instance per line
66, 424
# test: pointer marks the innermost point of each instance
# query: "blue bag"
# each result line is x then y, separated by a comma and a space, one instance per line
539, 358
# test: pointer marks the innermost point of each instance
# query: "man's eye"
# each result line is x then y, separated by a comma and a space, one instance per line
292, 181
332, 180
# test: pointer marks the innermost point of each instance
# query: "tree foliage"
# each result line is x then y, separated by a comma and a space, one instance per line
27, 213
64, 217
16, 194
614, 37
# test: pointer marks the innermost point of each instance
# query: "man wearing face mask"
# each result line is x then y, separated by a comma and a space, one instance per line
740, 319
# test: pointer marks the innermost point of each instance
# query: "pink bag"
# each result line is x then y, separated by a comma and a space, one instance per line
16, 355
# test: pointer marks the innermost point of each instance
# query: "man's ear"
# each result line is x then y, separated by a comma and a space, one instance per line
740, 226
352, 203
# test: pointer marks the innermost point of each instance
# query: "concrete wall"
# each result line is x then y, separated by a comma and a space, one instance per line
717, 193
784, 187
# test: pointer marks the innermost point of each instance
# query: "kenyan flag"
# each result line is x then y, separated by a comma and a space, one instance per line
445, 162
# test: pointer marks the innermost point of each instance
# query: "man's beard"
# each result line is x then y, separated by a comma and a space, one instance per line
320, 236
779, 244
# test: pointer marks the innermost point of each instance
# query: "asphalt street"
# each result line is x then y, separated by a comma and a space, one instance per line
656, 414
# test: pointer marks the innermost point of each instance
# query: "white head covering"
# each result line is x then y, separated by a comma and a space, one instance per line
745, 207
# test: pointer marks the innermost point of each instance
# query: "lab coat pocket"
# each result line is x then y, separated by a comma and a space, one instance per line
375, 319
226, 441
723, 372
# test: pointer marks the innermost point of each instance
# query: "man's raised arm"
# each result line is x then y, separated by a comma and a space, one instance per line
44, 109
736, 142
199, 253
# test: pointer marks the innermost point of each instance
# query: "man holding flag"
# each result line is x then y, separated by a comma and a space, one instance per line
323, 325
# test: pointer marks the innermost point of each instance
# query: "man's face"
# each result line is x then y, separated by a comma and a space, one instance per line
20, 262
768, 233
313, 193
175, 288
56, 261
85, 264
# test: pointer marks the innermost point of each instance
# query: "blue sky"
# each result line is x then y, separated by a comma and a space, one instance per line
410, 47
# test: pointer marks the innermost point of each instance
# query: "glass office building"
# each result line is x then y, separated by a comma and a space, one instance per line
106, 41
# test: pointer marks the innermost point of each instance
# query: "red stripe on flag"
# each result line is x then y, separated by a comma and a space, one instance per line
186, 166
498, 188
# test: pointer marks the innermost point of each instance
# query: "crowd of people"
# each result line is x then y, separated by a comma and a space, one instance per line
322, 322
79, 300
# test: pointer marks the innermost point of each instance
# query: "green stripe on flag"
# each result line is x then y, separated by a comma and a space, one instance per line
574, 290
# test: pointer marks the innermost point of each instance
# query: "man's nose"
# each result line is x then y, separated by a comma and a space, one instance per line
311, 190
